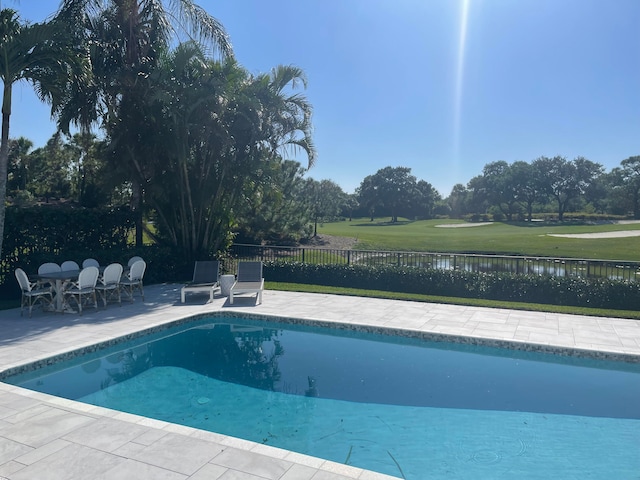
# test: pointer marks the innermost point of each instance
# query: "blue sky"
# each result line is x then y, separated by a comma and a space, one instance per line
441, 86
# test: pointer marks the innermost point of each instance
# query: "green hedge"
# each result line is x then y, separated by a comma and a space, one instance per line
36, 235
49, 229
607, 294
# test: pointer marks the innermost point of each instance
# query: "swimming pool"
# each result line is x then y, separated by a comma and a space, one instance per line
385, 404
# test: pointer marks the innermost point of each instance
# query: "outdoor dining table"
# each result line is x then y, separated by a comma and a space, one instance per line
60, 278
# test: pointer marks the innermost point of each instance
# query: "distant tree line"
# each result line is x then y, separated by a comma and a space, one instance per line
281, 205
549, 185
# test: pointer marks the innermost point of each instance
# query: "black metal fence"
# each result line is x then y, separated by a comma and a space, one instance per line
562, 267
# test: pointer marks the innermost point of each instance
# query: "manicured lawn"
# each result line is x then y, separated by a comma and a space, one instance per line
498, 238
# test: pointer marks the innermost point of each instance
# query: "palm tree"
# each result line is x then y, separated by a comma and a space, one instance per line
126, 39
187, 129
289, 114
42, 54
217, 129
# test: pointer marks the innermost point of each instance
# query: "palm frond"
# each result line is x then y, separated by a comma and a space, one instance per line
201, 26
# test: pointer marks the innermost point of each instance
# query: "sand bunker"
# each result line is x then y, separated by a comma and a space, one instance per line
620, 234
462, 225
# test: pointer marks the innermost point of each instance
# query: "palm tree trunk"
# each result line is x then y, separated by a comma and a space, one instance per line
4, 157
136, 200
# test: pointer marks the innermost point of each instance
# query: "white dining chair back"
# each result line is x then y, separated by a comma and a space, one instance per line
69, 265
108, 285
136, 272
84, 288
112, 274
90, 262
23, 280
88, 277
133, 260
31, 292
48, 267
133, 280
45, 268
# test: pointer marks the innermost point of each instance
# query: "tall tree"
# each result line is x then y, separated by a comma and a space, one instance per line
350, 204
275, 207
90, 172
528, 184
457, 200
326, 199
127, 39
367, 196
630, 170
211, 147
502, 187
18, 175
566, 180
391, 188
477, 196
425, 199
617, 201
51, 169
42, 54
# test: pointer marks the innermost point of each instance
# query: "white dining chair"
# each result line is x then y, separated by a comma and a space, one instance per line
31, 292
69, 265
133, 260
84, 288
108, 285
133, 280
90, 262
48, 267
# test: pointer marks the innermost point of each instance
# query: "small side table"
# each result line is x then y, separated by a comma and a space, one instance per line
226, 282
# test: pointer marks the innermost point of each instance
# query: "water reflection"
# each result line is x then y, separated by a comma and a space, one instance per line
226, 352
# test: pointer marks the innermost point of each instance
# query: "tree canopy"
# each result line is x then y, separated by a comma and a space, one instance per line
43, 54
395, 191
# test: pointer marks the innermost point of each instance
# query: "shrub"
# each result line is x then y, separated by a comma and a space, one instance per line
544, 289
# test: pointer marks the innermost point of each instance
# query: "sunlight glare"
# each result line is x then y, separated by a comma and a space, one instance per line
462, 40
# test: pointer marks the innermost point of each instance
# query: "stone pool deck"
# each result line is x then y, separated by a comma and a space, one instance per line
44, 437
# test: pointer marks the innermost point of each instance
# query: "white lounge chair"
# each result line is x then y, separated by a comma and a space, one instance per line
249, 280
31, 293
84, 289
133, 280
108, 286
206, 278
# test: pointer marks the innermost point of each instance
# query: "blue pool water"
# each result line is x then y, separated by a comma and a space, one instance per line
399, 406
